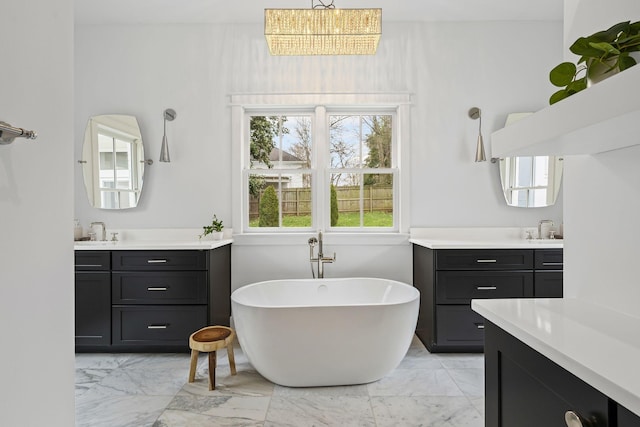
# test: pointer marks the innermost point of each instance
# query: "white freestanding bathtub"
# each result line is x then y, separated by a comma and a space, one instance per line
325, 332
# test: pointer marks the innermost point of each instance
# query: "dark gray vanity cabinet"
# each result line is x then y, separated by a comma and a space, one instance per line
448, 279
157, 298
92, 299
524, 388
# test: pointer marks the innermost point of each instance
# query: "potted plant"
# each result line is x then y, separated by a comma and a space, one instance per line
602, 54
215, 229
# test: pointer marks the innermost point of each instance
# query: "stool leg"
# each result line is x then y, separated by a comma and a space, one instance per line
194, 364
232, 359
212, 370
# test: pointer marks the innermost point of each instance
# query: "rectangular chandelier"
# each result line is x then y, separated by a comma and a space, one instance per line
322, 31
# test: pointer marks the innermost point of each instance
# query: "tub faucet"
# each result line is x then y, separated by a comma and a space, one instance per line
320, 259
104, 229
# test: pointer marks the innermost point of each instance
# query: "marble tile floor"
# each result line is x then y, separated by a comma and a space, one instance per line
136, 390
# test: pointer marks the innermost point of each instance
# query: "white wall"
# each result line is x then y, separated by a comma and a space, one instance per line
448, 67
602, 195
36, 212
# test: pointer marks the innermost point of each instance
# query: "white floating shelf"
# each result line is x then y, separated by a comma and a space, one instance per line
601, 118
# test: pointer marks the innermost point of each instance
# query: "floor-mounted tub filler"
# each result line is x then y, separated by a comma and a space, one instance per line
325, 332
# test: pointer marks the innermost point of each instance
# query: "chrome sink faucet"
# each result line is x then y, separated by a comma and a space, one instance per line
320, 259
544, 227
104, 230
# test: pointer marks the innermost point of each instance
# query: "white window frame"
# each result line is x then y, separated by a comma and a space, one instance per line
322, 105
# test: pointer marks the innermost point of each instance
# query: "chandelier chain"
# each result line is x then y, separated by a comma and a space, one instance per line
322, 4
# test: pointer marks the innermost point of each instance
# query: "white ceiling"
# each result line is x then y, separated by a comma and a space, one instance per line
251, 11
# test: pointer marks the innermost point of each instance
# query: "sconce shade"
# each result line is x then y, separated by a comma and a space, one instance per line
327, 31
476, 114
164, 151
170, 115
480, 156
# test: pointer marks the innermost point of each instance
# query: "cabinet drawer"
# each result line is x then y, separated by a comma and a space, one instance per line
170, 287
549, 259
92, 260
548, 284
484, 259
459, 287
156, 325
159, 260
458, 325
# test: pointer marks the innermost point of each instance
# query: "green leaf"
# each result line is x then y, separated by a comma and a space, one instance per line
625, 61
611, 34
583, 47
605, 47
558, 96
576, 86
562, 74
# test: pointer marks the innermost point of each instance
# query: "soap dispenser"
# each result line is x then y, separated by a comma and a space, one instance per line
77, 230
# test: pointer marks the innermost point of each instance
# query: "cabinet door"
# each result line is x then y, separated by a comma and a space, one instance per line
548, 284
626, 418
93, 308
458, 328
525, 389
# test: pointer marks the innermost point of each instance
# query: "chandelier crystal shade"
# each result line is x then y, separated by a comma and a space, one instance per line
322, 31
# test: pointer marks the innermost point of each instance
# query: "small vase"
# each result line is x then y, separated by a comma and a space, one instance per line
217, 235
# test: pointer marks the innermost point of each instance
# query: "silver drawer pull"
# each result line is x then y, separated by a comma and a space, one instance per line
552, 263
157, 327
486, 288
480, 325
88, 265
156, 261
573, 419
152, 288
486, 260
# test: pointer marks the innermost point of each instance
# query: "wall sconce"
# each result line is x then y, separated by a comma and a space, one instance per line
170, 115
475, 113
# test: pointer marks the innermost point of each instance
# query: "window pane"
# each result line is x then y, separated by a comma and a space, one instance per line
378, 200
294, 148
377, 131
360, 141
282, 200
347, 200
365, 204
280, 142
345, 142
296, 201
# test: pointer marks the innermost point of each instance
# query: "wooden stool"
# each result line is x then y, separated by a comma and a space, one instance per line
210, 339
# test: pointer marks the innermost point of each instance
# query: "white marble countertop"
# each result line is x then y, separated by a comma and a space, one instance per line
487, 243
480, 238
597, 344
150, 245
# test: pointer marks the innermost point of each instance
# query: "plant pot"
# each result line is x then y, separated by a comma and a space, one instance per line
599, 71
217, 235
